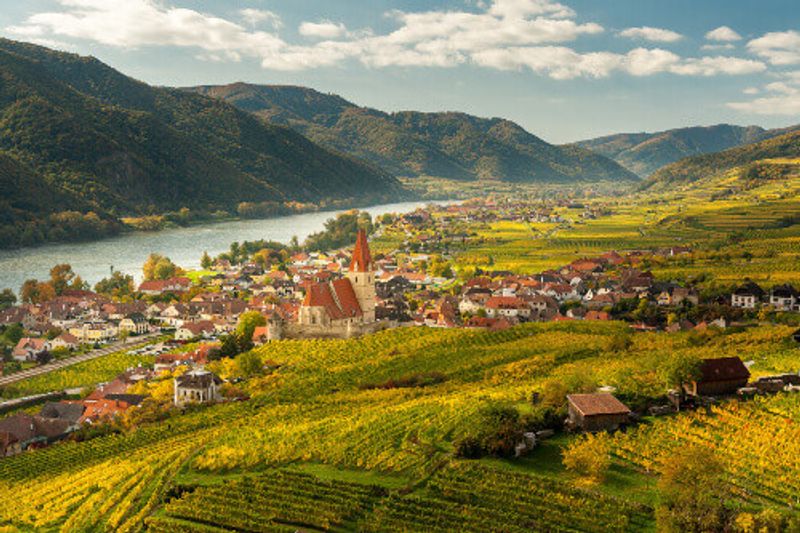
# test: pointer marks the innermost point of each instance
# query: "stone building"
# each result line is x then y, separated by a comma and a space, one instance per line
340, 308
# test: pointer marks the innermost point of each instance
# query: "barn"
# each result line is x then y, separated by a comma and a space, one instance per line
719, 376
596, 412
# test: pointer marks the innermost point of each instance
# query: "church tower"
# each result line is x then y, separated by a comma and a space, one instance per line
362, 277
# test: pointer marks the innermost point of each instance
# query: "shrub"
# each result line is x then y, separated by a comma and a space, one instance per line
589, 456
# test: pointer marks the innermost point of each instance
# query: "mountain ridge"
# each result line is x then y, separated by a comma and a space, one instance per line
115, 146
700, 167
449, 144
644, 153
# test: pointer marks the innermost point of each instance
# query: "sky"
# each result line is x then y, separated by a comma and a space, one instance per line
565, 71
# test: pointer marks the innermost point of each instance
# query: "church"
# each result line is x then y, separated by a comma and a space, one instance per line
341, 308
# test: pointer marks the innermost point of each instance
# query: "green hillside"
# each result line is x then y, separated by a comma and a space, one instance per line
102, 141
447, 145
644, 153
752, 158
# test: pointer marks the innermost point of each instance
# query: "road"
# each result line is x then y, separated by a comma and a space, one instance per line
62, 363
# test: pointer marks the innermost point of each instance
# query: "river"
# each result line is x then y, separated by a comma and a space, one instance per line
94, 260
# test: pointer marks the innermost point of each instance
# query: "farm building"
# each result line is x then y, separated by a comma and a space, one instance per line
596, 412
719, 376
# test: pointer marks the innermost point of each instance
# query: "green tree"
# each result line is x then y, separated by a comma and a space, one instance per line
205, 261
248, 364
118, 285
14, 333
248, 322
692, 492
158, 266
7, 298
679, 369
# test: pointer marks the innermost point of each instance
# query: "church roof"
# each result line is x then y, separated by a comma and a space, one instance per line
338, 298
362, 259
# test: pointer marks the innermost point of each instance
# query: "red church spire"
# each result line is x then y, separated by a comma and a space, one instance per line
362, 260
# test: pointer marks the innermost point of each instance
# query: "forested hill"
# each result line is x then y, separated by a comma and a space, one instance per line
93, 138
449, 145
644, 153
756, 160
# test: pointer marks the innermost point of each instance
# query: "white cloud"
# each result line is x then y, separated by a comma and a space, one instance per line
501, 34
257, 16
712, 66
322, 30
779, 48
782, 98
751, 90
717, 47
770, 105
647, 33
723, 33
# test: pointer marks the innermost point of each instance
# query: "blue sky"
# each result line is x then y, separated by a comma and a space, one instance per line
564, 70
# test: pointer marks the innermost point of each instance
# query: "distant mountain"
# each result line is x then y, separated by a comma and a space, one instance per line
752, 159
644, 153
93, 138
449, 145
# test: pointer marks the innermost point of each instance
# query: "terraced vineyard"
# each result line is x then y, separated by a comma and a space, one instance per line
317, 408
758, 442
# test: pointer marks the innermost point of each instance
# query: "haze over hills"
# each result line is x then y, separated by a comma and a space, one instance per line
767, 159
448, 144
98, 139
644, 153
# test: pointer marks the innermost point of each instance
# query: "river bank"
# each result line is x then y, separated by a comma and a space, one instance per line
127, 252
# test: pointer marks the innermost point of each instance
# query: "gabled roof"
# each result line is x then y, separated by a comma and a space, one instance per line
723, 369
197, 379
597, 404
337, 297
362, 259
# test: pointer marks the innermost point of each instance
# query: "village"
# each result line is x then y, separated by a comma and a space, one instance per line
186, 322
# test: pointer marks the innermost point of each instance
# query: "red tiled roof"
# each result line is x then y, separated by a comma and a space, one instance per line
338, 298
505, 302
597, 404
362, 259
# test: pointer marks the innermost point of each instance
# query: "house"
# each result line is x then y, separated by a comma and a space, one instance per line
507, 306
66, 341
91, 332
720, 376
28, 348
33, 431
161, 286
596, 412
784, 298
747, 296
135, 324
190, 330
197, 386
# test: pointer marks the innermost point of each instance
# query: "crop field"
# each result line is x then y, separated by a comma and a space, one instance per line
320, 407
753, 233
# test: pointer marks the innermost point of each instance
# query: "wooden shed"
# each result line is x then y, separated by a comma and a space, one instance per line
720, 376
596, 412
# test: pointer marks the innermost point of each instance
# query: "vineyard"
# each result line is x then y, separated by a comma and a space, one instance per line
758, 442
317, 406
